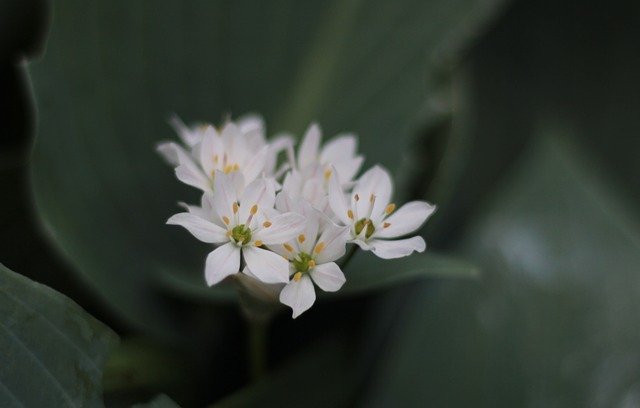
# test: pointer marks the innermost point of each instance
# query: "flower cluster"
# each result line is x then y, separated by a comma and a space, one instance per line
287, 224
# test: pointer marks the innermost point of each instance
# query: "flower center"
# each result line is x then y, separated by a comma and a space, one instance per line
363, 223
241, 234
303, 262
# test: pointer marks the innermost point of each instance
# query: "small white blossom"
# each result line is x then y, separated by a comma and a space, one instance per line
369, 213
314, 166
311, 256
237, 147
241, 222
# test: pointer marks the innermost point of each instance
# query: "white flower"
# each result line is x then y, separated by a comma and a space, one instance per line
238, 147
371, 217
313, 167
340, 152
311, 255
241, 220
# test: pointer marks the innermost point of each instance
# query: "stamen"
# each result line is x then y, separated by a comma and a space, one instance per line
312, 264
301, 238
350, 214
229, 233
216, 159
319, 247
297, 276
356, 197
327, 174
288, 247
235, 207
236, 167
225, 219
266, 224
254, 209
386, 225
372, 202
390, 208
258, 243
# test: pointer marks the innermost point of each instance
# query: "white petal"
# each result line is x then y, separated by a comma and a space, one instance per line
376, 181
222, 262
337, 201
347, 169
397, 248
189, 173
224, 195
255, 164
299, 295
341, 147
328, 277
168, 152
405, 220
308, 153
260, 193
188, 136
232, 139
251, 122
334, 239
211, 146
284, 227
265, 265
277, 145
202, 229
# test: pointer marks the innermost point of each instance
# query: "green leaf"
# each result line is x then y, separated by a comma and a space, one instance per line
553, 321
113, 72
161, 401
368, 273
52, 350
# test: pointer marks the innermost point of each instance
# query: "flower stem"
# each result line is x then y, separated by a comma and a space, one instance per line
348, 256
257, 347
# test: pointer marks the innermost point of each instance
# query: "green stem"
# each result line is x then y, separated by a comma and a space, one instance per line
349, 255
257, 348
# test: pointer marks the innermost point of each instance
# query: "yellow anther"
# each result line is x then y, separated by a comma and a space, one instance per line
372, 198
386, 225
254, 209
327, 174
236, 167
225, 219
266, 224
350, 214
301, 238
319, 247
227, 169
216, 159
356, 197
297, 276
287, 247
390, 208
235, 207
258, 243
312, 264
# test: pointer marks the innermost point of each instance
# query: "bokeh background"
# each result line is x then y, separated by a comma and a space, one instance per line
518, 118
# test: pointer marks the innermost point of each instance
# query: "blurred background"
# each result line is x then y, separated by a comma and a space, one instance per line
518, 118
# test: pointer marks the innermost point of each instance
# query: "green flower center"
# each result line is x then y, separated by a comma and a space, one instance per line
303, 262
365, 223
241, 234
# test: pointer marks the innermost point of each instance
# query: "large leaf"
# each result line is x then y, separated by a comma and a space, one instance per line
115, 70
52, 350
553, 323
